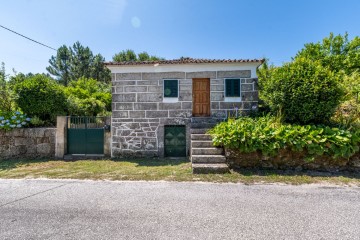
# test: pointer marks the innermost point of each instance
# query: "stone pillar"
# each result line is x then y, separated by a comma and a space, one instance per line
61, 137
107, 140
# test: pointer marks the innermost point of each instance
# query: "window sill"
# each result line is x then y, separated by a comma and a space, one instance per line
170, 100
232, 99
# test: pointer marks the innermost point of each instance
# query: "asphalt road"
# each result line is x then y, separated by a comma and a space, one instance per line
67, 209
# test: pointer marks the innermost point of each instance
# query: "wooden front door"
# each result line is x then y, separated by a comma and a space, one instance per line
201, 97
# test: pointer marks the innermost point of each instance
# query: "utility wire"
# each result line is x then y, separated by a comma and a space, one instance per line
27, 38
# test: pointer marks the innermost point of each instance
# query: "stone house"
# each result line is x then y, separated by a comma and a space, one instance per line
155, 104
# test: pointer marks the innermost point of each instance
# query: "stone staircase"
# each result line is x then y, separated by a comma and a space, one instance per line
205, 158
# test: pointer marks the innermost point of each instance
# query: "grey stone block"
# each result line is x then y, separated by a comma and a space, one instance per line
147, 82
205, 74
217, 96
128, 76
123, 106
215, 105
249, 96
180, 113
217, 81
137, 114
186, 105
246, 87
169, 106
43, 149
113, 77
123, 83
21, 141
185, 82
149, 97
231, 105
120, 114
234, 74
163, 75
157, 114
187, 88
125, 97
185, 96
156, 89
130, 89
218, 113
145, 106
217, 87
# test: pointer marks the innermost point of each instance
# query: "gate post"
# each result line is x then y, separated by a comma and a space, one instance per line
60, 146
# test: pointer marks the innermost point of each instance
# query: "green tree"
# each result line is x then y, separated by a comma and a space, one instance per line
60, 65
7, 98
41, 96
88, 97
130, 56
304, 91
335, 52
71, 63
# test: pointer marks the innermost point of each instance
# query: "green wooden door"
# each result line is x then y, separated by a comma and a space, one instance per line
85, 135
175, 141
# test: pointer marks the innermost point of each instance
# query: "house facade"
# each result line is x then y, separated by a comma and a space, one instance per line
155, 104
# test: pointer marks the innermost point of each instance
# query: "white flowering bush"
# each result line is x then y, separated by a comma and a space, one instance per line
11, 120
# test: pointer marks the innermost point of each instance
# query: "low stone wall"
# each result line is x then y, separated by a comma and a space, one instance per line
287, 159
27, 143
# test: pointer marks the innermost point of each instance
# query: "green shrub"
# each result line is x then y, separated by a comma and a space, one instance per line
88, 97
304, 91
41, 96
269, 135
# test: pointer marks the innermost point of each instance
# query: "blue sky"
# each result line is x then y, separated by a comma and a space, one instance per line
275, 29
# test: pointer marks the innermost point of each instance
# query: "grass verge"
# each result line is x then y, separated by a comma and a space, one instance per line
159, 169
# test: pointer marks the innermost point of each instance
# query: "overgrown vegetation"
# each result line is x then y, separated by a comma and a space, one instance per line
315, 98
41, 96
269, 135
322, 79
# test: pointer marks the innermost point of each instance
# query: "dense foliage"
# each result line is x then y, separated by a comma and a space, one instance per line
303, 91
40, 96
72, 63
269, 135
130, 56
334, 52
88, 97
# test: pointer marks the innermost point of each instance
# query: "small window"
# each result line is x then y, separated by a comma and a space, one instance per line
232, 87
171, 89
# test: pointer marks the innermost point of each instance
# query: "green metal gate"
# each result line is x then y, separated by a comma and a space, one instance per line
85, 135
175, 141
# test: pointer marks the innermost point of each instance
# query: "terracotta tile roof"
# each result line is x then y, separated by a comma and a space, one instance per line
186, 61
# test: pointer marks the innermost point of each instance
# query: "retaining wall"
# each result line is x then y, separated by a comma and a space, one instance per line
287, 159
27, 143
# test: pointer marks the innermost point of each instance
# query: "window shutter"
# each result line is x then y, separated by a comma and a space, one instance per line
232, 87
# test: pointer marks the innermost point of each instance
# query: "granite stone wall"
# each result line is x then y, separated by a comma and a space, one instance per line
287, 159
27, 143
140, 112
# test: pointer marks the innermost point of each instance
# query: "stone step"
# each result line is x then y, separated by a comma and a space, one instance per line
204, 120
199, 130
208, 159
199, 168
201, 137
202, 144
207, 151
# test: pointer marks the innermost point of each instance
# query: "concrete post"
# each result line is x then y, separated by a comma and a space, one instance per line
61, 138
